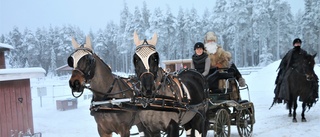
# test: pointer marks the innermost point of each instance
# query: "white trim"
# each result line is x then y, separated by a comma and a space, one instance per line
21, 73
2, 45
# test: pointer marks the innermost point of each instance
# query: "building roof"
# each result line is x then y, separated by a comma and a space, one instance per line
21, 73
5, 47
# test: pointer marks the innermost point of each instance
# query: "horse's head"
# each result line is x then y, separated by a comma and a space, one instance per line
146, 62
83, 62
308, 65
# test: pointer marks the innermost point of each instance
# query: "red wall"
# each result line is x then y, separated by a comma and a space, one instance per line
2, 60
15, 115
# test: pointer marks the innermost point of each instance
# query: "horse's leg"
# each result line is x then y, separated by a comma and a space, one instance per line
141, 129
173, 129
289, 106
295, 105
144, 132
126, 133
148, 134
102, 133
190, 132
303, 119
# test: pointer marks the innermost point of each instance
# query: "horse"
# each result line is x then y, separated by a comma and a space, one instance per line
301, 82
107, 89
173, 100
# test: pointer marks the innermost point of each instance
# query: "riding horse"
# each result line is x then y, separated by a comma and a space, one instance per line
170, 102
108, 90
301, 82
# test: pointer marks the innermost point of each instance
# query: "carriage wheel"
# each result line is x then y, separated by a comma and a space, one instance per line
222, 123
245, 123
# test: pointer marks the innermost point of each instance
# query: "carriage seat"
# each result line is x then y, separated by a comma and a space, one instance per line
217, 93
213, 80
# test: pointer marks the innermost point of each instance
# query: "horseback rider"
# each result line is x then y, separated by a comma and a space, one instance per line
200, 60
220, 58
292, 59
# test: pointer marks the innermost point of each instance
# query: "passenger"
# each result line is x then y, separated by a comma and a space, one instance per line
200, 60
220, 58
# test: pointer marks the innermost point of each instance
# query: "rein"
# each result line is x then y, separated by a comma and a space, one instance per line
110, 89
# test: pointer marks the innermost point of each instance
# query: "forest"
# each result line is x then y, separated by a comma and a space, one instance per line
256, 32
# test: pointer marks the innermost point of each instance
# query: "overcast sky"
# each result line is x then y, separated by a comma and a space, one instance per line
93, 14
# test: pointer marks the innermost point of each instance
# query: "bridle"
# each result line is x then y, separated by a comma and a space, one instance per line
144, 51
73, 61
302, 70
90, 74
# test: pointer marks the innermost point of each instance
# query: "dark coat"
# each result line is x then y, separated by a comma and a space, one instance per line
289, 61
199, 62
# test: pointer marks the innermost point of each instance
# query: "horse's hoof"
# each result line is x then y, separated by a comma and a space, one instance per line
294, 120
289, 115
303, 120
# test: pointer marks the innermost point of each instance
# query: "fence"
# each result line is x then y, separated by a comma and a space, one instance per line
15, 133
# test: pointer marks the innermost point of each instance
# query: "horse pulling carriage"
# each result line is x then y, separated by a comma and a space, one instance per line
155, 100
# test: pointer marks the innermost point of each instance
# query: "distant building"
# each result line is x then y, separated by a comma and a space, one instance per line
176, 65
63, 70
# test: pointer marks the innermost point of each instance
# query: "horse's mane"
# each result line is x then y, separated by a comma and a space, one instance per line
195, 83
109, 69
102, 62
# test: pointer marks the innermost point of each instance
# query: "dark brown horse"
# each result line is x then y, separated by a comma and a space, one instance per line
170, 100
110, 92
301, 82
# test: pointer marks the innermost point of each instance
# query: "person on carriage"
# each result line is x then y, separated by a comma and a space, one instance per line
220, 58
200, 60
292, 59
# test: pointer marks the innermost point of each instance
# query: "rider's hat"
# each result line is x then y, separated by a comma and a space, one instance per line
297, 40
198, 45
210, 36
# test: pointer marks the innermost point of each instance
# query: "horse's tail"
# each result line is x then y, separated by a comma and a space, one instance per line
274, 101
271, 105
276, 94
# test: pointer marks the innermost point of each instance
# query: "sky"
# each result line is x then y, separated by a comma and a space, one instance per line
87, 14
269, 122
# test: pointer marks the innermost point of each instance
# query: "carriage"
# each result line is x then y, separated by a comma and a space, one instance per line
111, 98
226, 106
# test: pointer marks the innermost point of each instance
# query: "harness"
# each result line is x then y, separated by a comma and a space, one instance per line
108, 103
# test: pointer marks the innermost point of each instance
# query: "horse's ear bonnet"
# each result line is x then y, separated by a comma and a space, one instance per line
70, 61
87, 46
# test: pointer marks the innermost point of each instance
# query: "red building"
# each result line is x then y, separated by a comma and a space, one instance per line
15, 96
176, 65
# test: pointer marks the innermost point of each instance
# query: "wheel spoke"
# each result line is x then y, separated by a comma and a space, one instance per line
222, 125
244, 123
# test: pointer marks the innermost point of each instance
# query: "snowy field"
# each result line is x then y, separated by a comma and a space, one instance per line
79, 123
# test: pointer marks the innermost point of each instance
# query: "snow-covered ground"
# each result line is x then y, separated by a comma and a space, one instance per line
79, 123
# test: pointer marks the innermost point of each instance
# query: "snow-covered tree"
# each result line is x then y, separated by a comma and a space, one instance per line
17, 56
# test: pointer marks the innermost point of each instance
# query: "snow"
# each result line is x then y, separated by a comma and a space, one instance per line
21, 73
2, 45
79, 123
